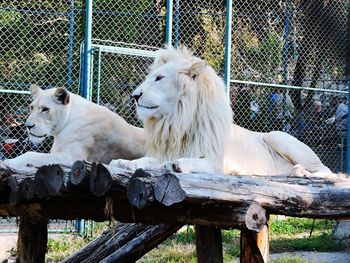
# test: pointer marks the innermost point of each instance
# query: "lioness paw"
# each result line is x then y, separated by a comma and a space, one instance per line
123, 164
18, 165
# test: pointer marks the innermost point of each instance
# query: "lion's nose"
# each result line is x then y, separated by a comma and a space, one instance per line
136, 97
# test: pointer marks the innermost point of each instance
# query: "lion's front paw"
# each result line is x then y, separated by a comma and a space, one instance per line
172, 166
123, 164
300, 171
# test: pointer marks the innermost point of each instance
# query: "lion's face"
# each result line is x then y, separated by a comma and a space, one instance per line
158, 94
48, 113
165, 86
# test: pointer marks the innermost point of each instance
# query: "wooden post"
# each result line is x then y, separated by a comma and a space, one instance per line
255, 246
208, 244
32, 239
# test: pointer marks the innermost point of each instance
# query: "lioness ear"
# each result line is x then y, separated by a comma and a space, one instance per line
61, 96
196, 69
34, 90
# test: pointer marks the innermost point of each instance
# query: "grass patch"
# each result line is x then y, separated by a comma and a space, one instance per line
60, 247
289, 260
289, 234
292, 226
315, 243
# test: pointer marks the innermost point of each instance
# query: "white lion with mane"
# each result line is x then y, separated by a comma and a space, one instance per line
189, 128
82, 130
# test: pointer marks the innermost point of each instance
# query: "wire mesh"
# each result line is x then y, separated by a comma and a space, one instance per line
118, 75
274, 43
297, 43
39, 44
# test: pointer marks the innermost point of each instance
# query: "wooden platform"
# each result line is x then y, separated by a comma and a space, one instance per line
163, 202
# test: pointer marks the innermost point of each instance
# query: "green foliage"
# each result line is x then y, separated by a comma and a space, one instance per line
289, 260
315, 243
62, 246
291, 226
290, 234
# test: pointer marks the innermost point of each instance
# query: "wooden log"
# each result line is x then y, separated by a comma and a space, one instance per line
49, 180
110, 180
254, 247
32, 239
208, 244
106, 243
66, 208
27, 188
301, 197
4, 184
103, 181
16, 196
90, 207
93, 177
168, 190
99, 178
4, 193
79, 173
140, 189
141, 244
247, 216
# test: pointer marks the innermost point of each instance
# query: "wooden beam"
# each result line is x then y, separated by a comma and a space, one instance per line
141, 244
254, 246
293, 196
32, 239
120, 238
208, 244
239, 217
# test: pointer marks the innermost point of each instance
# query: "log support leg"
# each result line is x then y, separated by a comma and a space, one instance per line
208, 244
255, 246
32, 240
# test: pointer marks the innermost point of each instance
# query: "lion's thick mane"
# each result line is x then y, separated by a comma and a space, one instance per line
202, 117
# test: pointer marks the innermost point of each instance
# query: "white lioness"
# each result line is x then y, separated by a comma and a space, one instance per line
188, 124
81, 129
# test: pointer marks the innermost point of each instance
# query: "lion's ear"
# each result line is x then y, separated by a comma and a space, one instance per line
34, 90
159, 61
61, 96
196, 69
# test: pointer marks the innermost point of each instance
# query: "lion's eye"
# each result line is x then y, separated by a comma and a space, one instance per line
158, 78
44, 109
31, 108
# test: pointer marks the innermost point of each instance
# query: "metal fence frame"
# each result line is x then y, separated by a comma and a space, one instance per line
172, 21
89, 50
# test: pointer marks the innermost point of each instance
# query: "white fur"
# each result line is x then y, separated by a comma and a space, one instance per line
81, 129
182, 123
188, 124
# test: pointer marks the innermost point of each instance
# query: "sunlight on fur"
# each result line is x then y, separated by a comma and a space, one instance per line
188, 123
194, 128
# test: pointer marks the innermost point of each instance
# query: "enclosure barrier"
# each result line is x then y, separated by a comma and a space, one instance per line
276, 58
163, 201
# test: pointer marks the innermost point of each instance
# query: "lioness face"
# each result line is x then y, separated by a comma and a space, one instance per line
158, 94
48, 113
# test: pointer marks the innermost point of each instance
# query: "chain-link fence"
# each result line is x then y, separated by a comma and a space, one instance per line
293, 44
40, 43
277, 49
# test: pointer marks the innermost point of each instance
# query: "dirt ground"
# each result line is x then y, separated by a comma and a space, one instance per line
318, 257
7, 241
